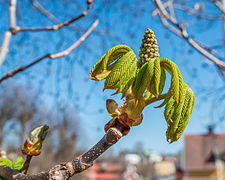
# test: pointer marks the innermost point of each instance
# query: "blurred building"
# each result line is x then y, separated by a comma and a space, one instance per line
203, 157
104, 170
165, 169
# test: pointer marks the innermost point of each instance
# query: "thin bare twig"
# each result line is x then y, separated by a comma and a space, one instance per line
64, 171
196, 12
8, 34
26, 164
14, 29
219, 5
50, 16
52, 56
180, 30
57, 26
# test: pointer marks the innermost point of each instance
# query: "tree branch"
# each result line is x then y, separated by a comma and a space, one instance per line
37, 5
8, 34
66, 170
26, 164
57, 26
180, 30
52, 56
14, 29
5, 46
219, 5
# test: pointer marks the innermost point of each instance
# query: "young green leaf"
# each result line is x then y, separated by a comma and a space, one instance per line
177, 115
147, 95
100, 71
176, 87
6, 162
121, 67
18, 163
141, 81
162, 81
155, 76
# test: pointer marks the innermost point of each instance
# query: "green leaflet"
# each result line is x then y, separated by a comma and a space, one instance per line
16, 165
126, 80
177, 115
168, 112
185, 114
119, 69
162, 81
147, 95
154, 75
6, 162
100, 71
141, 81
176, 87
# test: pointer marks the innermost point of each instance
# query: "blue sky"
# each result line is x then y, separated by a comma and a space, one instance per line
65, 80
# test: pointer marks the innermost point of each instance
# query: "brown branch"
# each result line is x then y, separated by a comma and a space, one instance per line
52, 56
26, 164
66, 170
180, 30
60, 25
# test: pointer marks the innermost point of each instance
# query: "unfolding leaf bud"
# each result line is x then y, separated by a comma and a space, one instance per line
149, 49
33, 144
112, 108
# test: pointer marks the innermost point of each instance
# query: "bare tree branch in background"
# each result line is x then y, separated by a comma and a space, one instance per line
8, 34
64, 171
52, 56
50, 16
219, 5
170, 22
14, 29
57, 26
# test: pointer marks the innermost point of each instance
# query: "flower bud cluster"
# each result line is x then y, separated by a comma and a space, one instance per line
149, 49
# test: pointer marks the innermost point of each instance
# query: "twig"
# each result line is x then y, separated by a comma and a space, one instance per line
180, 30
14, 29
26, 164
66, 170
52, 56
47, 14
8, 34
50, 16
195, 12
5, 46
57, 26
219, 5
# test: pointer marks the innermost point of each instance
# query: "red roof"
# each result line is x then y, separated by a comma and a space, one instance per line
200, 151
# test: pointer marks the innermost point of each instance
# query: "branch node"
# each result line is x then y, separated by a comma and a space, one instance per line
59, 172
79, 166
112, 136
